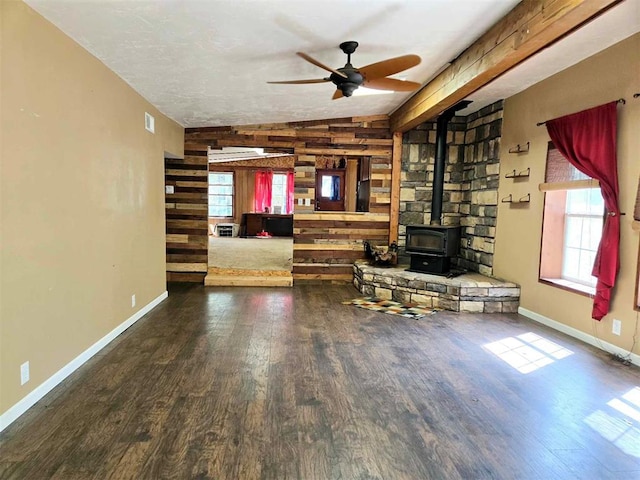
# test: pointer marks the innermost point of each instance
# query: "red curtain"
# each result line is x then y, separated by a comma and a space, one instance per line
290, 190
264, 180
587, 140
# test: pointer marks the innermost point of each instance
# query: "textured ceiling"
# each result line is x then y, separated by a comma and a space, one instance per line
206, 63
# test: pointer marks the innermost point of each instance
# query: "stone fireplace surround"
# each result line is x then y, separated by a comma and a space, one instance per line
472, 172
470, 292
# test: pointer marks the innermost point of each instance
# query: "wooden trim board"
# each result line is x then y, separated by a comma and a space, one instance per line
8, 417
530, 27
396, 167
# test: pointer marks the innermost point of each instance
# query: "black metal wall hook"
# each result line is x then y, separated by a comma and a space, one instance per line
509, 199
521, 174
524, 148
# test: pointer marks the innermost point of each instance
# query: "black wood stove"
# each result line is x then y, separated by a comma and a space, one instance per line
432, 246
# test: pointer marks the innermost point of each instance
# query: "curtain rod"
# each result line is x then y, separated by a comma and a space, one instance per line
620, 100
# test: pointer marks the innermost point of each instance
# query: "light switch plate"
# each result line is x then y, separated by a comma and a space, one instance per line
169, 189
24, 373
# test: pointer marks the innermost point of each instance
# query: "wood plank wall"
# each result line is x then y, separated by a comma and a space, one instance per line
186, 217
327, 243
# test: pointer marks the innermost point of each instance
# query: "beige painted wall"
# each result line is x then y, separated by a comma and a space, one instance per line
82, 200
607, 76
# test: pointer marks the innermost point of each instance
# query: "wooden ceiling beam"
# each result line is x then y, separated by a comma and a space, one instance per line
530, 27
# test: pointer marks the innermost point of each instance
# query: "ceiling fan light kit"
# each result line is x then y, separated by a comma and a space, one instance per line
348, 78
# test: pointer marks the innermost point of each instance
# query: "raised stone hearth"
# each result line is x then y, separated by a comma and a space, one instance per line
470, 292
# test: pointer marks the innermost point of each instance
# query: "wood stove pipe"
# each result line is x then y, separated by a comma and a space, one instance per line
440, 160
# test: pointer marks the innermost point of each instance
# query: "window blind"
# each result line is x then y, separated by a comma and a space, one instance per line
559, 170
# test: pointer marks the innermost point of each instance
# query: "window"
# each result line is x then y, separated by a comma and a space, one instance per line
572, 225
279, 193
273, 192
583, 223
221, 194
329, 187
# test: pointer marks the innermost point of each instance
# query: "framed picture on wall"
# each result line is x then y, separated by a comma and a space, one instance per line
637, 298
636, 211
636, 217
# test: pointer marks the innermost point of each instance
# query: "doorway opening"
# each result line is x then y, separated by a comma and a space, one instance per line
342, 184
250, 217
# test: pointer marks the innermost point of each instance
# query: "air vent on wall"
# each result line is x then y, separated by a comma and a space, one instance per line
149, 122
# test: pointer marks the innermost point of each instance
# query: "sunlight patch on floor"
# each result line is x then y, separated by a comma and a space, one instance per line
620, 425
527, 352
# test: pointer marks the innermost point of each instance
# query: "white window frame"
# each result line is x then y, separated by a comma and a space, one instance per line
562, 179
212, 195
589, 281
282, 197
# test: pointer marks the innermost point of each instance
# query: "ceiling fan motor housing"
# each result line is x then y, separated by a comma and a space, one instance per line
351, 83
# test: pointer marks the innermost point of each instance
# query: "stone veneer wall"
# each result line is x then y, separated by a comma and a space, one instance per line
470, 292
481, 177
418, 159
471, 182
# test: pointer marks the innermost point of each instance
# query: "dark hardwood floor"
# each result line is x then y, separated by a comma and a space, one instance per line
254, 383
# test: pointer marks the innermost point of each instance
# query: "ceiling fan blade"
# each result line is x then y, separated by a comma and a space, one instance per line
389, 66
301, 82
318, 64
391, 84
338, 94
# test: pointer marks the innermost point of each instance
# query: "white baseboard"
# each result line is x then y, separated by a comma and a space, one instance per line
45, 387
580, 335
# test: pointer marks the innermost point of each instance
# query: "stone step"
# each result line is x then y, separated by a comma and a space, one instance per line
470, 292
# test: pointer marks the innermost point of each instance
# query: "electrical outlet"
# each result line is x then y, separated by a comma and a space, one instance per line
24, 373
616, 327
133, 301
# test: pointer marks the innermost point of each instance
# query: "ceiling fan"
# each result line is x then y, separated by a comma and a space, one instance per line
348, 78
